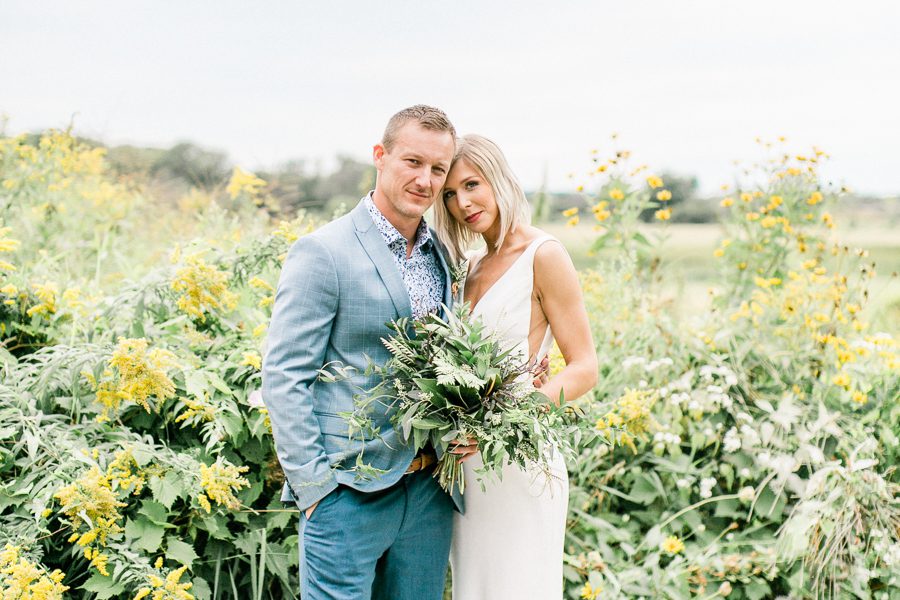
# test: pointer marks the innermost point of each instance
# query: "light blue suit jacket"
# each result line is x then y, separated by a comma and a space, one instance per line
338, 288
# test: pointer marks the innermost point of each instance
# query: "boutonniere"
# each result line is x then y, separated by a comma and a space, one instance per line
458, 275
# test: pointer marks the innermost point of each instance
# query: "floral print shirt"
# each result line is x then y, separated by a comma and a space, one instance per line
421, 272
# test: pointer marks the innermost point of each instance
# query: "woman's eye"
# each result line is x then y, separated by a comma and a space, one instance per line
448, 196
471, 184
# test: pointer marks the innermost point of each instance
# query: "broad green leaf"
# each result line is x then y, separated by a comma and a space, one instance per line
756, 590
643, 490
166, 489
180, 551
103, 586
155, 512
144, 534
219, 383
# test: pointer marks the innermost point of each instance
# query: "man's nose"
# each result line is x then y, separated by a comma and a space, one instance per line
423, 178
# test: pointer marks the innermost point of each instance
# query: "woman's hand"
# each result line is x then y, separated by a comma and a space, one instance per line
465, 448
540, 371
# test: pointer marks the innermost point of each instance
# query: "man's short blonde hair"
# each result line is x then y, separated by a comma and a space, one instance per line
428, 117
486, 158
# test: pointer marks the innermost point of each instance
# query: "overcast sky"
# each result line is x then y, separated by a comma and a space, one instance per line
687, 84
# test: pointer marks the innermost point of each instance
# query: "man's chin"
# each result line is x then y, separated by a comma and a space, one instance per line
417, 208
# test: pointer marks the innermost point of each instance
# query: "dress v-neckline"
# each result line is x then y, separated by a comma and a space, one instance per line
502, 275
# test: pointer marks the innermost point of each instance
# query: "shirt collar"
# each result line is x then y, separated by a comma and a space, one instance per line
389, 232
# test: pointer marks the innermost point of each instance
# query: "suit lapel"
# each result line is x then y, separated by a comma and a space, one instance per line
380, 255
442, 259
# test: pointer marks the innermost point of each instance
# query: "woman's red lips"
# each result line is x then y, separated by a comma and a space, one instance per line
473, 218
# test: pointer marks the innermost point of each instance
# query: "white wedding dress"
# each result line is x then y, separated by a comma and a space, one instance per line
509, 542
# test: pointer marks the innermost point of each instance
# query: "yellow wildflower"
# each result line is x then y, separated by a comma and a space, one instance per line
260, 330
46, 293
814, 198
99, 562
243, 182
860, 397
125, 473
7, 244
288, 229
197, 408
90, 504
142, 374
589, 592
654, 182
219, 482
73, 297
663, 195
746, 197
600, 212
142, 593
630, 417
617, 194
663, 214
194, 201
726, 202
261, 284
26, 580
204, 288
672, 545
572, 222
842, 380
767, 283
570, 212
169, 588
252, 359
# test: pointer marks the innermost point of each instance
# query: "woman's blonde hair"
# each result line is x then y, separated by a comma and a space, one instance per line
487, 158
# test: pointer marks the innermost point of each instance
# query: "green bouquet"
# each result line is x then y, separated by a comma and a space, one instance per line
451, 379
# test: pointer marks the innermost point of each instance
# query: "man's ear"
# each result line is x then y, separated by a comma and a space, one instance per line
378, 152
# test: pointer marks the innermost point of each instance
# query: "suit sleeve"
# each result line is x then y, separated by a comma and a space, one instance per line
305, 306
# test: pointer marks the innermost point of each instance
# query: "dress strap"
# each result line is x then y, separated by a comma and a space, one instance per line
537, 243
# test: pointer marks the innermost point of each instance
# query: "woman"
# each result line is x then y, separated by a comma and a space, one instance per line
522, 284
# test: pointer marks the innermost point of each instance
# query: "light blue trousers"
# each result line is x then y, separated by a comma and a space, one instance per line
387, 545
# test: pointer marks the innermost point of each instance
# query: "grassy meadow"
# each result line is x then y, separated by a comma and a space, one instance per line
688, 253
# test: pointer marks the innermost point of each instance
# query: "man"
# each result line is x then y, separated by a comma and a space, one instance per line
388, 537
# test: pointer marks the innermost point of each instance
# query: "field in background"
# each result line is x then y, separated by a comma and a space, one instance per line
693, 268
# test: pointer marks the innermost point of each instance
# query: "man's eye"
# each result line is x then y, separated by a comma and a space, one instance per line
412, 161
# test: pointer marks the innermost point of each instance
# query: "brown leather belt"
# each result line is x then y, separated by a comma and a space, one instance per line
421, 461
